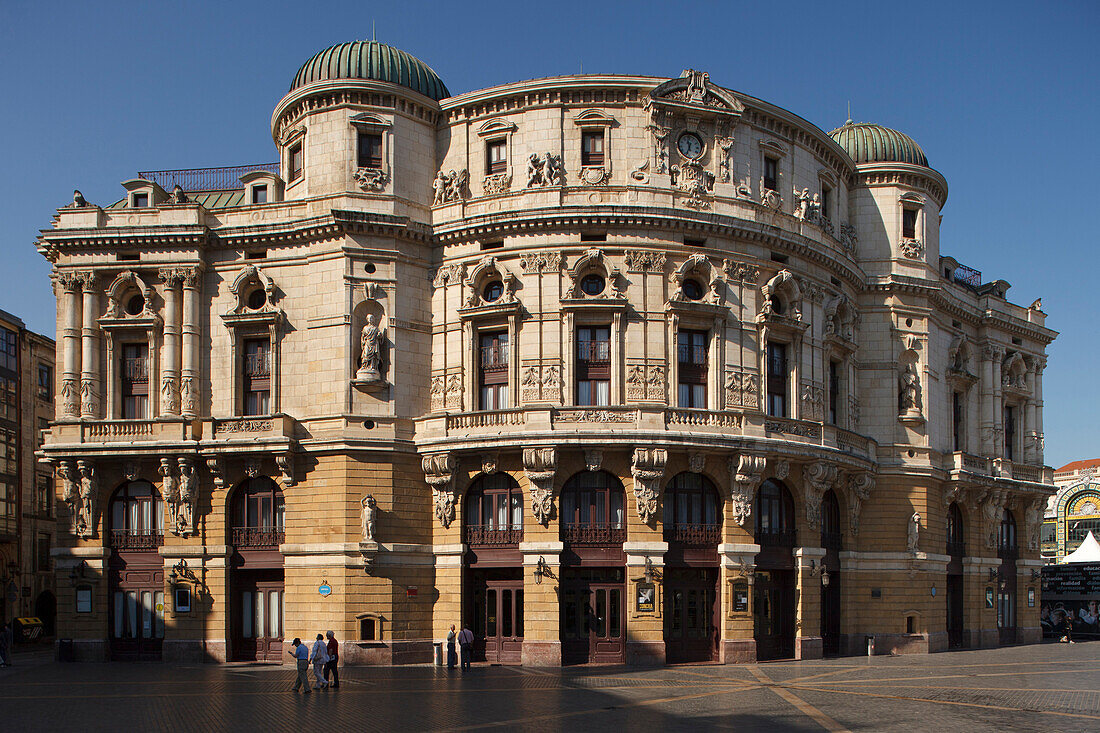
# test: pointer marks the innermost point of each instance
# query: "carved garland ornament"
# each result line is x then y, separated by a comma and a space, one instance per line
818, 477
860, 486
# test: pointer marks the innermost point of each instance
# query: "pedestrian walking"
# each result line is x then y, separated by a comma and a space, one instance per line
300, 653
466, 643
319, 656
6, 641
333, 647
452, 658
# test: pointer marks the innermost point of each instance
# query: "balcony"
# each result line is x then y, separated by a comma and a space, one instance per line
136, 540
593, 534
258, 538
257, 365
482, 535
494, 358
694, 535
135, 370
692, 355
594, 353
776, 537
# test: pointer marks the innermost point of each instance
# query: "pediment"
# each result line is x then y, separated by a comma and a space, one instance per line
693, 91
496, 127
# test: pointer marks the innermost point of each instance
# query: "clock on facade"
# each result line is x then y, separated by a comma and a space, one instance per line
690, 145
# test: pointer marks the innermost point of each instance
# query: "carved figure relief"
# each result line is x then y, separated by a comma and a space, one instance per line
692, 179
371, 179
439, 471
539, 262
540, 465
544, 171
170, 491
648, 468
367, 518
450, 187
85, 524
912, 538
909, 394
746, 472
645, 261
69, 492
453, 396
496, 183
742, 389
370, 354
781, 296
912, 249
188, 494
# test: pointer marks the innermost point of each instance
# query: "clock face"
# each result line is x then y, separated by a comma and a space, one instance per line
690, 145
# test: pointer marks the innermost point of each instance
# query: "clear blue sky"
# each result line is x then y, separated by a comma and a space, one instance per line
1002, 96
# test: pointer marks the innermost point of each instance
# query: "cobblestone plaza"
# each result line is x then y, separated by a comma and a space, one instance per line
1047, 687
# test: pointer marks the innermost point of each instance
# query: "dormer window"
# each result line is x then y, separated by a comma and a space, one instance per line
296, 162
259, 194
141, 201
370, 150
496, 156
909, 223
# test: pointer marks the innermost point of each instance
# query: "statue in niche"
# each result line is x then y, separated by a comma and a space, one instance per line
370, 509
802, 209
909, 395
370, 359
912, 540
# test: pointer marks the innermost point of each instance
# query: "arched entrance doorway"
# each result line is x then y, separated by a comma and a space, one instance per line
256, 574
593, 572
45, 608
956, 551
1008, 551
774, 581
493, 529
136, 573
832, 540
692, 529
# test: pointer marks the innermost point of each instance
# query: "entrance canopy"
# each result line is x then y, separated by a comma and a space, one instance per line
1089, 551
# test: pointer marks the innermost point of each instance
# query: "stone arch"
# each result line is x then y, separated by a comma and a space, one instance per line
840, 317
1013, 371
247, 281
700, 266
124, 284
782, 296
236, 510
486, 271
959, 354
605, 482
593, 262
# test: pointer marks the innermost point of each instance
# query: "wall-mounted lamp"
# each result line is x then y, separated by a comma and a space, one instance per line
648, 569
1036, 574
824, 578
77, 573
813, 568
180, 570
993, 573
542, 570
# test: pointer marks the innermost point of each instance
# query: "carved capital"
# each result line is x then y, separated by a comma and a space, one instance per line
746, 472
860, 486
285, 464
217, 472
648, 468
439, 473
540, 465
818, 477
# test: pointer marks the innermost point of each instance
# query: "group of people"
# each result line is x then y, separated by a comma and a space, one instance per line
465, 639
1062, 623
323, 656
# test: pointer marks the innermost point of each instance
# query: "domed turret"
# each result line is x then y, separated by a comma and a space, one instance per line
371, 60
869, 143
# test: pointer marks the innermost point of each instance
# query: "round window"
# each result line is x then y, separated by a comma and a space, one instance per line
257, 299
777, 305
592, 284
493, 290
693, 290
135, 305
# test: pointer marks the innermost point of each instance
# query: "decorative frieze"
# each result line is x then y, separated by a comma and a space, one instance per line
648, 468
646, 382
645, 261
540, 262
741, 272
496, 184
596, 415
742, 389
541, 383
452, 274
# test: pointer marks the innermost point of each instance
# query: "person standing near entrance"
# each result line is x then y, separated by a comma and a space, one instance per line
333, 648
466, 644
319, 656
6, 641
300, 653
451, 657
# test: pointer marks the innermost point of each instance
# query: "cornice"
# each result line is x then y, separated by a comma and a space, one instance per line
871, 175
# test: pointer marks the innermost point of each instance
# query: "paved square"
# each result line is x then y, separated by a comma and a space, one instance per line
1047, 687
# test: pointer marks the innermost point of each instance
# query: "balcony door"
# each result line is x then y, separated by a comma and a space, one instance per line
258, 616
256, 572
497, 613
593, 619
136, 573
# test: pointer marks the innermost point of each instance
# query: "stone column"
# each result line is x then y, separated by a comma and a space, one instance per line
985, 429
1030, 433
998, 406
808, 642
169, 350
189, 379
70, 344
1037, 401
89, 347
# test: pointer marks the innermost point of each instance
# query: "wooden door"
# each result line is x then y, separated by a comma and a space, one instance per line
136, 614
258, 617
593, 623
773, 614
498, 609
830, 616
691, 626
955, 625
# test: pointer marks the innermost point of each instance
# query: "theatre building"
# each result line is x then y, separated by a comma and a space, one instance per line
612, 369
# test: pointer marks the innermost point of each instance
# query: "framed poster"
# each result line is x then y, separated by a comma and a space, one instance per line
646, 599
740, 597
1031, 598
989, 597
183, 600
84, 599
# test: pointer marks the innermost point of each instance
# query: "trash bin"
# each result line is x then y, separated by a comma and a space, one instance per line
437, 653
870, 645
28, 630
64, 650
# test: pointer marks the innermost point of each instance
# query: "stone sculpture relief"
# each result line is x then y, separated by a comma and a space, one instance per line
544, 171
746, 472
540, 465
439, 471
912, 538
70, 493
912, 249
367, 518
909, 395
188, 493
371, 179
170, 491
692, 179
648, 468
85, 524
860, 486
370, 357
818, 478
450, 187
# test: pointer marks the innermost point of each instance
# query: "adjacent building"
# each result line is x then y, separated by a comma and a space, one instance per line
1073, 511
27, 533
609, 368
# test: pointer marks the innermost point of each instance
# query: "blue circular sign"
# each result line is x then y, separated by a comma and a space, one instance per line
324, 589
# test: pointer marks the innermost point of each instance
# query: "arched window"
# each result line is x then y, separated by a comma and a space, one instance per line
494, 511
956, 531
137, 517
1006, 547
258, 511
831, 538
774, 515
692, 511
592, 509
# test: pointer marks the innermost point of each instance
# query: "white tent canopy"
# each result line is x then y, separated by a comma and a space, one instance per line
1089, 551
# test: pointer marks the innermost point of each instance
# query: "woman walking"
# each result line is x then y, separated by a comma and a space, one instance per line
319, 656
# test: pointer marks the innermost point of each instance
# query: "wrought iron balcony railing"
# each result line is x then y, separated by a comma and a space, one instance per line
594, 351
694, 535
135, 369
257, 365
956, 549
593, 534
481, 535
258, 538
136, 539
776, 537
206, 179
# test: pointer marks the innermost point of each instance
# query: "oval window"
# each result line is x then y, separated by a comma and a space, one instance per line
135, 305
257, 299
592, 284
493, 291
693, 290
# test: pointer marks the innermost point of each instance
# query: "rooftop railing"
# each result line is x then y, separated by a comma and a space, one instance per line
206, 179
968, 276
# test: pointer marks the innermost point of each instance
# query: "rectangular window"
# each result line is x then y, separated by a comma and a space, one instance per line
44, 490
957, 420
594, 365
834, 392
84, 600
909, 223
7, 451
259, 194
592, 147
135, 381
7, 497
141, 200
296, 161
9, 349
1010, 432
826, 201
370, 150
8, 398
43, 555
257, 377
45, 382
691, 357
495, 157
777, 379
771, 173
493, 370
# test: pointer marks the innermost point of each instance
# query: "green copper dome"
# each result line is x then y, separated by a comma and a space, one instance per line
867, 143
371, 60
